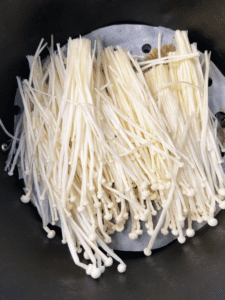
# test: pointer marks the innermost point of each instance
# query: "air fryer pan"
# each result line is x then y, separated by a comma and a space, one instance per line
33, 267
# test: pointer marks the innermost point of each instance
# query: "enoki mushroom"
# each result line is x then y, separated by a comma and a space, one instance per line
105, 138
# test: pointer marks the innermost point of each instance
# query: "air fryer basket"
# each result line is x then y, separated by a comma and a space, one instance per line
32, 267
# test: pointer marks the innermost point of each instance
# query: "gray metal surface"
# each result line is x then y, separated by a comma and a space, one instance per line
134, 37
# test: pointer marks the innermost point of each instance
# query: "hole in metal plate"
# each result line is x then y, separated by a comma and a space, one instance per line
146, 48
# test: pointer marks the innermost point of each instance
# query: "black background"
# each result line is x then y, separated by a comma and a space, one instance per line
33, 267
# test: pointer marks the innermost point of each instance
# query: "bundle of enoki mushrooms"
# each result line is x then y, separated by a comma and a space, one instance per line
106, 137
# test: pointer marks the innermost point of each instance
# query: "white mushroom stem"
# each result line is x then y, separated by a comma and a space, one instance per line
103, 139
